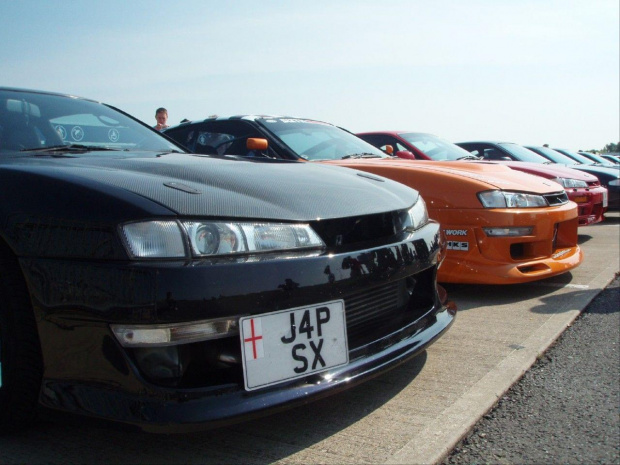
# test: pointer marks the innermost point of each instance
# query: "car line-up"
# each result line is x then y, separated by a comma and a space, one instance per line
489, 150
587, 158
229, 268
502, 226
603, 160
582, 188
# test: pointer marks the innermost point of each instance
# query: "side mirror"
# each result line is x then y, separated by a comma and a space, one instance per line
389, 149
405, 154
255, 143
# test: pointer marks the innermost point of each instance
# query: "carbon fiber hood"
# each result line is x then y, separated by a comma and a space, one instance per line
202, 186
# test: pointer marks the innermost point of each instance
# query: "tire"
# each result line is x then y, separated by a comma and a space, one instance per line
21, 365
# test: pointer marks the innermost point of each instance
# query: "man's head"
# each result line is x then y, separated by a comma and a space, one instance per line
161, 115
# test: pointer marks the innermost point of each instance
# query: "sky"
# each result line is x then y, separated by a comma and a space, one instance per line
526, 71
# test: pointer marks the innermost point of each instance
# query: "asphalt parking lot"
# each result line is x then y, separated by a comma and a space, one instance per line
414, 414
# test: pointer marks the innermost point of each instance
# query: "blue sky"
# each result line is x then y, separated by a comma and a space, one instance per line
526, 71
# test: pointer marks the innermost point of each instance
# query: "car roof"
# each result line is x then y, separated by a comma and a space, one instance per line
486, 142
250, 117
388, 132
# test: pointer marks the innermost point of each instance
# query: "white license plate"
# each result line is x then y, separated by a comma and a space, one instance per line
293, 343
605, 199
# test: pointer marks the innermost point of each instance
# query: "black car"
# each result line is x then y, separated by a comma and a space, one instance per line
174, 291
490, 150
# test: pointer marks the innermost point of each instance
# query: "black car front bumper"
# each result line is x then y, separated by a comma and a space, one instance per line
88, 372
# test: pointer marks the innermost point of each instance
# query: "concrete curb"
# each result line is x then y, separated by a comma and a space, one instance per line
441, 435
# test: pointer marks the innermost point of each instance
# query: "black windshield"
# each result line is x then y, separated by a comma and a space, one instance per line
31, 121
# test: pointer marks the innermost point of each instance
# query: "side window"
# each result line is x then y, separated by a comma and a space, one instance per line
182, 135
227, 137
494, 154
479, 151
382, 141
373, 139
213, 143
398, 147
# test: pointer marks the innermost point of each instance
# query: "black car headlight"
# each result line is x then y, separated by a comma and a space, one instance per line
214, 238
179, 239
417, 216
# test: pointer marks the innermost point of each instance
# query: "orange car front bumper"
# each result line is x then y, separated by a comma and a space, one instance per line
473, 255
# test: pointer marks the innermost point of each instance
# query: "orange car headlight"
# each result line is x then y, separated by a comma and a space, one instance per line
507, 199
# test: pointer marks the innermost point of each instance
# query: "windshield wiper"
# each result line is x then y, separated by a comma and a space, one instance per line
361, 155
70, 148
469, 157
166, 152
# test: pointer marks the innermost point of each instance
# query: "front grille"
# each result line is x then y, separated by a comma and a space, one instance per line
377, 311
369, 307
371, 314
558, 198
345, 231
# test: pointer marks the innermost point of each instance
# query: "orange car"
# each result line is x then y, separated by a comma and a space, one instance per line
501, 226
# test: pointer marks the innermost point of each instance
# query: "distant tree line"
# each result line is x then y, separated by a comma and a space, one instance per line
609, 148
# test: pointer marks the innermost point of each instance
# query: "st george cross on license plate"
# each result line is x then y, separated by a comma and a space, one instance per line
293, 343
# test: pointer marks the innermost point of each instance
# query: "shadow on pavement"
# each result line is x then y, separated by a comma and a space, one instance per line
551, 303
469, 296
609, 219
71, 439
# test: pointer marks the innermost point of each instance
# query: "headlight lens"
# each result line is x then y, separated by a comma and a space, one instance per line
214, 238
505, 199
166, 239
570, 183
417, 216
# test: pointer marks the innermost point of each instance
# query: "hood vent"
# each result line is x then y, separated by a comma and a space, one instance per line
182, 187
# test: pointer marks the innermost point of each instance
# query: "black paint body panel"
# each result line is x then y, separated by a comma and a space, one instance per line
62, 208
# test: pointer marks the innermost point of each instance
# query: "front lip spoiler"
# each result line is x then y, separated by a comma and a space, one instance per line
178, 411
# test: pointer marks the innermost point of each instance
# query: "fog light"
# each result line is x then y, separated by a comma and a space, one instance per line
175, 333
509, 232
160, 363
